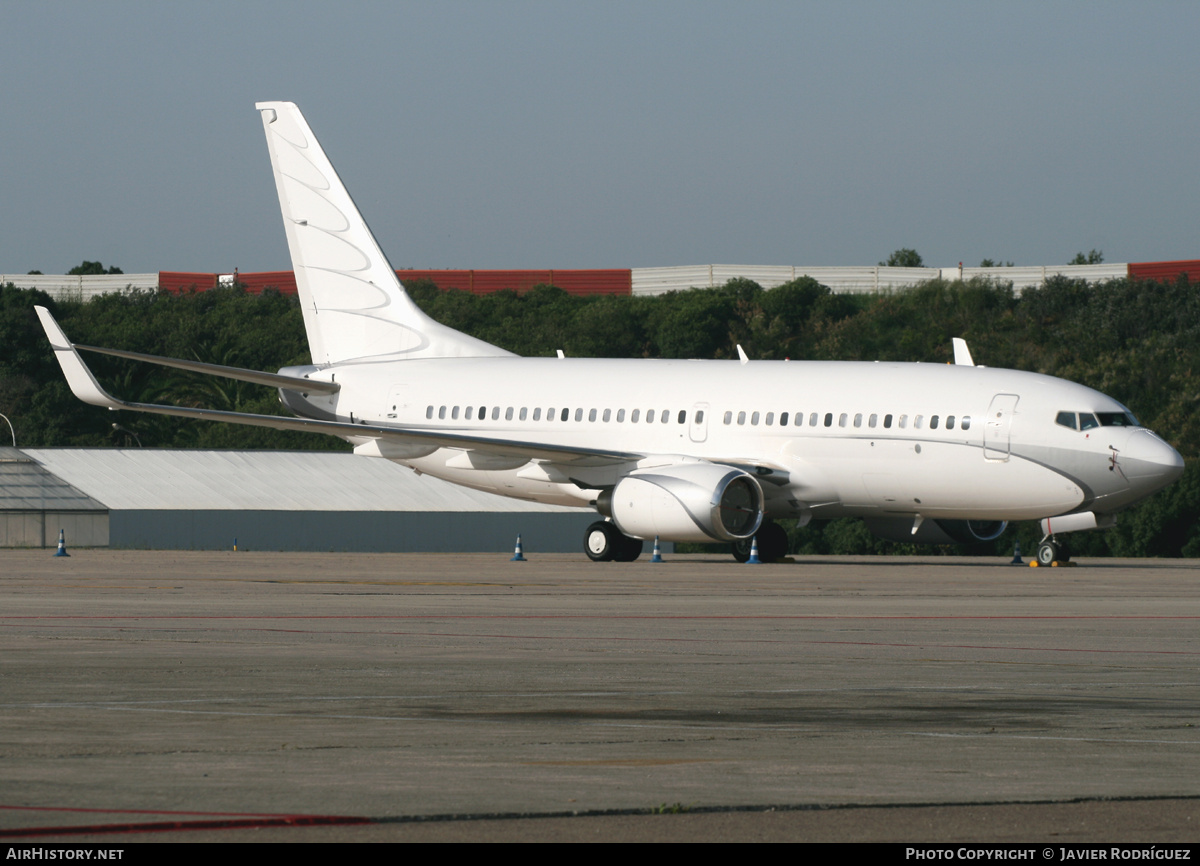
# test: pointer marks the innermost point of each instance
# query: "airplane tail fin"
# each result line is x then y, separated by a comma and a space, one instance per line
354, 306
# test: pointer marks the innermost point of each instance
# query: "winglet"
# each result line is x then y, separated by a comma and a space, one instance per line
962, 355
79, 377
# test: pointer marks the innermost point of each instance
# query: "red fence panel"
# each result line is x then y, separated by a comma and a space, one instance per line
1166, 272
182, 281
496, 281
611, 281
443, 279
284, 281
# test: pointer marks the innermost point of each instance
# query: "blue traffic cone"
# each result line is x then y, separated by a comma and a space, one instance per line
657, 557
62, 544
1016, 560
517, 555
754, 560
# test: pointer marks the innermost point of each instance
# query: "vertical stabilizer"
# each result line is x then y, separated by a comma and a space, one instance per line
354, 306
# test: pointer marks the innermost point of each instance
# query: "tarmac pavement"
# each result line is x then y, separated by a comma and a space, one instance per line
410, 697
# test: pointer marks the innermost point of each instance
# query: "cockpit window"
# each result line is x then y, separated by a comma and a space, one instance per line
1089, 420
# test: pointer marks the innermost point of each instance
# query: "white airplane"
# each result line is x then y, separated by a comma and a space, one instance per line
684, 450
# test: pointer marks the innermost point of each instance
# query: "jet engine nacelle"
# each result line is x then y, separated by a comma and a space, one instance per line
935, 531
686, 502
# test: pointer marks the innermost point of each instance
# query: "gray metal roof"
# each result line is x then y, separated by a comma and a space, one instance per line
82, 286
872, 278
152, 479
27, 486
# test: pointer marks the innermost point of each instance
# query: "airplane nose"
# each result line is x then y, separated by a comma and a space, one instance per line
1150, 461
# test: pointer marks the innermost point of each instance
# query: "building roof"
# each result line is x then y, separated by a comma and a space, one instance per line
159, 479
25, 485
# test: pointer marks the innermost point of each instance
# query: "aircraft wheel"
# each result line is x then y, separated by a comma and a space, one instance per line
627, 549
603, 542
1047, 553
599, 541
772, 541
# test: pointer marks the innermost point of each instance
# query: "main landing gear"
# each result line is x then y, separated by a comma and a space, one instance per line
1052, 550
772, 543
603, 542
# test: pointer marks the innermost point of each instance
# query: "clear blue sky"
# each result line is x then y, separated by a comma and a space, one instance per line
606, 134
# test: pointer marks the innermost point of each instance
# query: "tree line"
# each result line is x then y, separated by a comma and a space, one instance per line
1136, 340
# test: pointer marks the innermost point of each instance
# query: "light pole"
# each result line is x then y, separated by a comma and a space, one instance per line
116, 426
10, 429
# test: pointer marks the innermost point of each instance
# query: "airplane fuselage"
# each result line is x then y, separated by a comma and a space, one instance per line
828, 439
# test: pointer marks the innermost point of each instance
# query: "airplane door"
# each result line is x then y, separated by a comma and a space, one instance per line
396, 403
998, 426
698, 426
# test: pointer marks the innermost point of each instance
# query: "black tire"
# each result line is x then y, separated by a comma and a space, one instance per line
627, 549
772, 541
599, 541
603, 542
1047, 553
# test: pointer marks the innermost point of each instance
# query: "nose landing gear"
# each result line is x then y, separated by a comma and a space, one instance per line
1051, 551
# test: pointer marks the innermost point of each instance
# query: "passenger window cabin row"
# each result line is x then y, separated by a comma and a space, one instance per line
511, 413
1072, 420
816, 419
663, 416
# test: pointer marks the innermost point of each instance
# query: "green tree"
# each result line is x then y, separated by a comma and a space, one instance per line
92, 269
1095, 257
904, 258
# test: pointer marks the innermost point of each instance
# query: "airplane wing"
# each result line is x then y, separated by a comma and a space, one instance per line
87, 389
271, 380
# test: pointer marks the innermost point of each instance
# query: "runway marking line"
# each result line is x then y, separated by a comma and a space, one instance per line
211, 821
618, 762
81, 810
574, 616
599, 813
167, 826
507, 583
